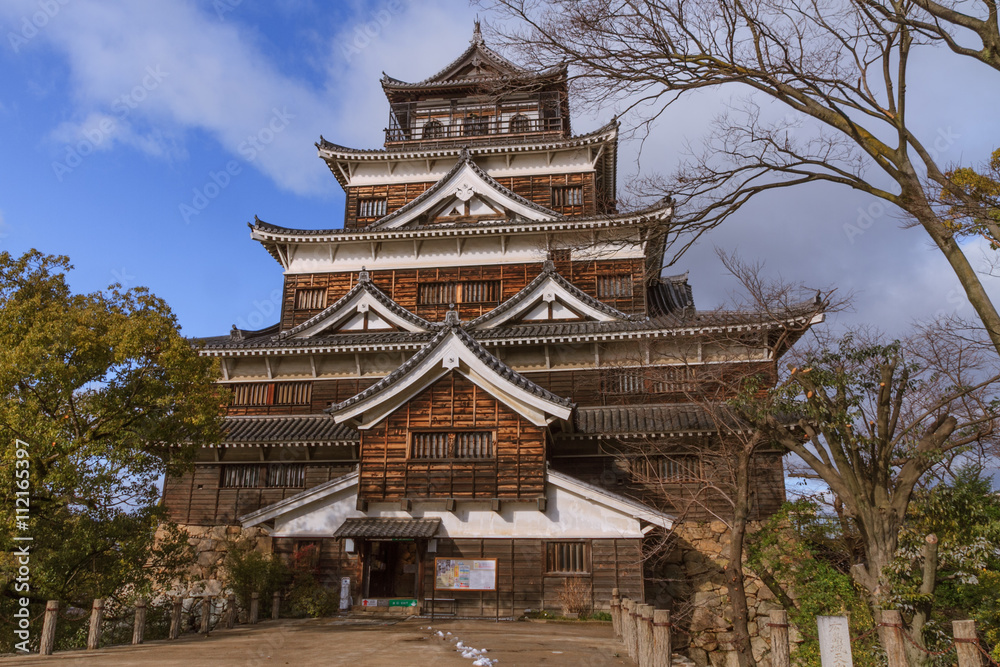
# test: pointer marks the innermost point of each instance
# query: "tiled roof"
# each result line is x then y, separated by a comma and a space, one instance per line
634, 419
288, 430
491, 361
548, 271
669, 295
363, 284
368, 338
464, 159
388, 528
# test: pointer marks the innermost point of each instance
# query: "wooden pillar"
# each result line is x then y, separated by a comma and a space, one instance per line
139, 628
630, 633
780, 656
662, 646
276, 606
893, 642
254, 607
175, 618
96, 616
48, 641
206, 613
966, 644
644, 647
231, 611
616, 615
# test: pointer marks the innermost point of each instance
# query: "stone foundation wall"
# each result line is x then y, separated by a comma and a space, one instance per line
689, 580
210, 545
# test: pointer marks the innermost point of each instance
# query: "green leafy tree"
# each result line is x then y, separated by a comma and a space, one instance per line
106, 396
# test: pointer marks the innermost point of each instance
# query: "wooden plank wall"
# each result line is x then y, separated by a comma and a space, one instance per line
401, 285
523, 583
334, 562
453, 402
692, 501
196, 497
537, 189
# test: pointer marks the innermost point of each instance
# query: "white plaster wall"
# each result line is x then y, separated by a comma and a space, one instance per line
567, 515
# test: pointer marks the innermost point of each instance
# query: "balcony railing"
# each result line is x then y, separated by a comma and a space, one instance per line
472, 130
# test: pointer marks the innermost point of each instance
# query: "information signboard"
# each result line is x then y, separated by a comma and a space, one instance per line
465, 574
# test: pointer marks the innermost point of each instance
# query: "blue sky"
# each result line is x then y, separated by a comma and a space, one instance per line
140, 138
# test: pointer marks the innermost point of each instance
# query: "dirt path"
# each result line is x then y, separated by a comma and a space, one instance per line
364, 643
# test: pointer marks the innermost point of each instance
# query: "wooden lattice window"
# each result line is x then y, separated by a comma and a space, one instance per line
625, 382
567, 195
472, 291
561, 255
614, 286
452, 445
310, 299
475, 125
681, 468
433, 129
257, 393
672, 379
292, 393
371, 207
520, 123
240, 476
268, 475
286, 475
566, 558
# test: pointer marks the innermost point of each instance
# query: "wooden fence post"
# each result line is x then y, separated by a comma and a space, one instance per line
139, 628
231, 611
966, 644
48, 641
254, 607
780, 656
662, 648
616, 612
633, 630
96, 616
276, 606
627, 624
175, 618
206, 613
891, 634
645, 647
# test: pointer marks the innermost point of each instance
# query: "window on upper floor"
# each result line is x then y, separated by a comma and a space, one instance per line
566, 196
561, 255
680, 468
566, 558
263, 475
618, 286
371, 207
433, 129
475, 125
451, 445
271, 393
310, 299
519, 123
469, 291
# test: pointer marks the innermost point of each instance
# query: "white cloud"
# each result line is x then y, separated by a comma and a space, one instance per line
164, 69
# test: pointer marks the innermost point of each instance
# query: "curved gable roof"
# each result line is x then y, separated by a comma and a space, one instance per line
363, 295
465, 176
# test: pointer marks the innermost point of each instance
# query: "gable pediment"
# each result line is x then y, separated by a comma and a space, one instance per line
466, 193
548, 298
452, 350
365, 308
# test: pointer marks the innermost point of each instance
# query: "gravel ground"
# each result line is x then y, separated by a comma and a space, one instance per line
366, 642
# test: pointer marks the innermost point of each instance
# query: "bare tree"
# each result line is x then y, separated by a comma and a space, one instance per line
843, 66
878, 416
